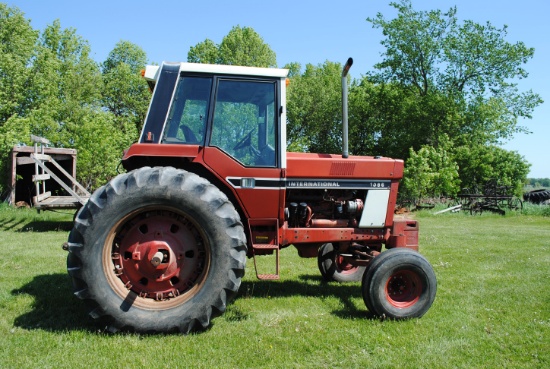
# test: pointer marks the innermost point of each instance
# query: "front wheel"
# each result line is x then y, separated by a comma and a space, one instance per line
399, 284
334, 267
157, 250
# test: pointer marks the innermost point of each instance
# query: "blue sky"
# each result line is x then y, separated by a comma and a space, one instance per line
304, 31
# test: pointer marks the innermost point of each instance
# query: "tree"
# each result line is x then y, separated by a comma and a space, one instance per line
539, 182
17, 41
68, 106
241, 46
430, 172
100, 142
125, 92
206, 52
52, 88
472, 65
66, 86
478, 164
441, 78
314, 112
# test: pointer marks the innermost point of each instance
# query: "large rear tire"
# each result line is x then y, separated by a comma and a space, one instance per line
537, 196
399, 284
157, 250
334, 267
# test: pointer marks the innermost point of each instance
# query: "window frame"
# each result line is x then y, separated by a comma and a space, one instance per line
276, 112
173, 101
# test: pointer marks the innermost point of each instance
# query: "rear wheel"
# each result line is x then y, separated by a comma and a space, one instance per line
334, 267
399, 284
537, 196
157, 249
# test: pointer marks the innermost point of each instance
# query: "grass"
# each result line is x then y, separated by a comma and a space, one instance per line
491, 309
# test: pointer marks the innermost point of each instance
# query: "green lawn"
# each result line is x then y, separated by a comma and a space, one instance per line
492, 308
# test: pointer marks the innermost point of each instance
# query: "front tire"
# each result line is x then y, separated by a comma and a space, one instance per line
399, 284
334, 267
157, 250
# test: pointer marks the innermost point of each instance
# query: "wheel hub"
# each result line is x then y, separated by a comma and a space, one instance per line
155, 259
403, 289
343, 265
159, 255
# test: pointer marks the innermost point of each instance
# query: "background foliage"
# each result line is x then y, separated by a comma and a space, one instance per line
443, 97
51, 87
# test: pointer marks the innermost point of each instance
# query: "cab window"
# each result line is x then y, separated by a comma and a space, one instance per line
244, 121
186, 123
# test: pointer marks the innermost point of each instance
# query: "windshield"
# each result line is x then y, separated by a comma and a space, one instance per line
187, 118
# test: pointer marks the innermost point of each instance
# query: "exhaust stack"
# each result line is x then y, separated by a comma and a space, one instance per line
345, 108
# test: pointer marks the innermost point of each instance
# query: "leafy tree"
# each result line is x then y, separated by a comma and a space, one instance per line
66, 87
52, 88
241, 46
382, 119
206, 52
17, 41
73, 102
125, 92
126, 53
100, 142
387, 119
471, 65
314, 110
539, 182
430, 172
294, 69
478, 164
440, 78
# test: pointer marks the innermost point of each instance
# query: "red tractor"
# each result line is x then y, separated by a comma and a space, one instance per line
163, 247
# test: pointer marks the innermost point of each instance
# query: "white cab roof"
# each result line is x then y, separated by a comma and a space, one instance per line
151, 71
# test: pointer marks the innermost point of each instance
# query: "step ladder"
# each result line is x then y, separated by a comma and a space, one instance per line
43, 198
264, 247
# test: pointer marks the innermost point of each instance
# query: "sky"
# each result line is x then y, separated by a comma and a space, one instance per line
303, 31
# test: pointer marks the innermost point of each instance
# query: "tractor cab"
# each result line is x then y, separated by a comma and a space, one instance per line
238, 110
225, 123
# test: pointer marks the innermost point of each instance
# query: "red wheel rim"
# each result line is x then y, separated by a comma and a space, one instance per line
343, 267
403, 289
160, 255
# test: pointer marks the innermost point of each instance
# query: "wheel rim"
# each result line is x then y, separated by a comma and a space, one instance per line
403, 289
343, 267
157, 257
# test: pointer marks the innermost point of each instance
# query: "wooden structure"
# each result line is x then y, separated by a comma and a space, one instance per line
45, 177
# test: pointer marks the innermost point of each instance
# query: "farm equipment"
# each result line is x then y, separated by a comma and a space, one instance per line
540, 196
163, 247
494, 197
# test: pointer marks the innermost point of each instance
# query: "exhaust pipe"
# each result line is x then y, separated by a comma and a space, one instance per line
345, 108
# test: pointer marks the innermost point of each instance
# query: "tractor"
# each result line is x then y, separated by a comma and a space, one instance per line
210, 184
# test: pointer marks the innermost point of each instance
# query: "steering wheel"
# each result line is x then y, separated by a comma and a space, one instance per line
245, 141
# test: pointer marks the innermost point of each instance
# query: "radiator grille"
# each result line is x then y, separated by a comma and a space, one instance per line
342, 168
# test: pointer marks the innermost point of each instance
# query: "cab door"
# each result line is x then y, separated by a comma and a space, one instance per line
243, 146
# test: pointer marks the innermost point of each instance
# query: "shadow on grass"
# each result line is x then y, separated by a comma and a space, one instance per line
56, 309
47, 226
310, 286
23, 225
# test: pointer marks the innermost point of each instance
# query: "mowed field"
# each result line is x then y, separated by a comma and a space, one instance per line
492, 308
